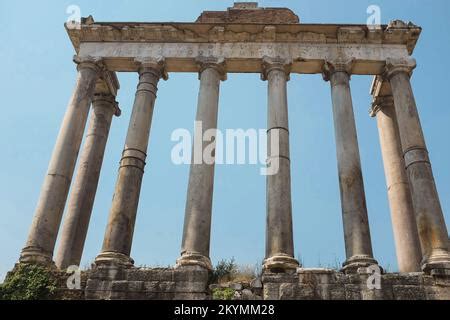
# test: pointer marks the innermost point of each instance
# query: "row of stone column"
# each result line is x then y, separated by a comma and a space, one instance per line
420, 231
402, 131
90, 87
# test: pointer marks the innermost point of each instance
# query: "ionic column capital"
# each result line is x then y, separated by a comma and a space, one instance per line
395, 66
93, 63
381, 103
154, 65
270, 64
341, 65
216, 63
108, 99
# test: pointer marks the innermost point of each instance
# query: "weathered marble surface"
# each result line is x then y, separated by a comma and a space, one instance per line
198, 215
245, 57
52, 200
84, 188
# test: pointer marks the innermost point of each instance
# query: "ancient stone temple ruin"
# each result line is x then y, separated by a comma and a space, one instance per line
244, 39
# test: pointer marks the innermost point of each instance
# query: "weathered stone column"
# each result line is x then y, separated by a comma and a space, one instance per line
404, 225
83, 192
197, 224
429, 217
279, 234
358, 244
119, 231
47, 219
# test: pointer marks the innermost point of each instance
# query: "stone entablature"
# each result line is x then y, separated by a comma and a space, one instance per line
244, 45
396, 33
243, 57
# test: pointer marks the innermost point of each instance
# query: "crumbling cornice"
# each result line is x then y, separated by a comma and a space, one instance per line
397, 33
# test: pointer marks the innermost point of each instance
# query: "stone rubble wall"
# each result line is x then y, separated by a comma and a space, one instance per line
323, 284
305, 284
147, 284
244, 290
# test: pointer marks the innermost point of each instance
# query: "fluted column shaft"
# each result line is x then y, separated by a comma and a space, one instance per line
47, 219
403, 218
279, 233
429, 217
119, 231
85, 185
195, 246
358, 244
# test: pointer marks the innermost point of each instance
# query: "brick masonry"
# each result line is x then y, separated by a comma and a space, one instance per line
250, 15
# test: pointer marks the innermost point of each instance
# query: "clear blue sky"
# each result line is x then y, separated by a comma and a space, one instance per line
37, 78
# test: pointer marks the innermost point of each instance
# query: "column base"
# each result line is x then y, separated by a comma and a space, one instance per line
437, 264
114, 259
281, 263
189, 259
35, 255
356, 262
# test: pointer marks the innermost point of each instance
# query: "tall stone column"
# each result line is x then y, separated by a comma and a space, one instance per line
119, 231
47, 219
279, 234
404, 225
358, 244
83, 192
197, 224
429, 217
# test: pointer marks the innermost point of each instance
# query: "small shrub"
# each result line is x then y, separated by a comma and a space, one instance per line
224, 271
223, 294
245, 273
28, 282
